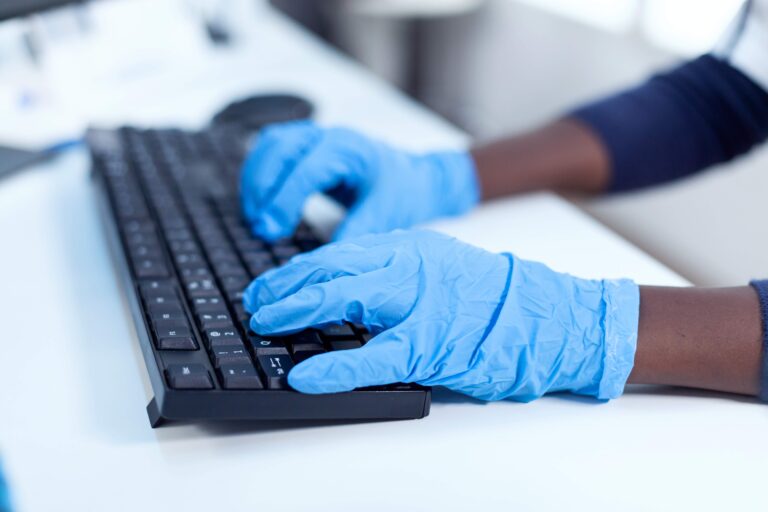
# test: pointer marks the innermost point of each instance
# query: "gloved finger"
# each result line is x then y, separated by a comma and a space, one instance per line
329, 163
372, 299
383, 360
277, 150
324, 264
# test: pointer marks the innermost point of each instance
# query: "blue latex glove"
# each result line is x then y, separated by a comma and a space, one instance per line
384, 188
489, 325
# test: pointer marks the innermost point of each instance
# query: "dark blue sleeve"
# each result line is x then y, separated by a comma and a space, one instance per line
680, 122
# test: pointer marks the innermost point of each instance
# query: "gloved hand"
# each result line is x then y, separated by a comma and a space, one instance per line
446, 313
383, 187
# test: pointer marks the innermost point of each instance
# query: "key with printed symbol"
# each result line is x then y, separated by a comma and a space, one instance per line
172, 329
220, 337
240, 376
200, 287
267, 346
150, 288
275, 369
188, 376
173, 334
168, 316
209, 304
150, 267
230, 354
159, 300
214, 320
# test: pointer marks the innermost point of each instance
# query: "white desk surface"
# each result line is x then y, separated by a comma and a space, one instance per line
74, 433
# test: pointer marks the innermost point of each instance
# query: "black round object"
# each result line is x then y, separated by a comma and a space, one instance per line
252, 113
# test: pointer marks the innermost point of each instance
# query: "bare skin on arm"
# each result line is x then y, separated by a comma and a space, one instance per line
564, 156
692, 337
708, 338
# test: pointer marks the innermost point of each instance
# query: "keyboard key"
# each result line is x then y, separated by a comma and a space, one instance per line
256, 269
177, 343
230, 354
340, 331
212, 304
142, 239
234, 283
200, 287
158, 299
249, 244
160, 309
167, 316
182, 246
229, 269
344, 344
258, 257
222, 254
306, 341
194, 273
138, 226
178, 234
172, 329
235, 295
240, 376
188, 376
150, 267
150, 288
285, 251
139, 252
214, 320
188, 259
303, 355
267, 346
219, 337
241, 312
275, 369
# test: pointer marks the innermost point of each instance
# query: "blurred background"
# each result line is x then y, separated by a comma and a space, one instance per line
491, 67
499, 67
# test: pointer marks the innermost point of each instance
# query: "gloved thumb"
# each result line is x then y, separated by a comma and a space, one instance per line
379, 362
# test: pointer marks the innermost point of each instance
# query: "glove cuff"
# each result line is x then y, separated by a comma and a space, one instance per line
621, 298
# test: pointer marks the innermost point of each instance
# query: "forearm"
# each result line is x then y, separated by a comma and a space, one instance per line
676, 124
709, 338
564, 156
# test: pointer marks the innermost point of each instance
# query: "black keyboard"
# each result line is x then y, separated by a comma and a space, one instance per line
171, 205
